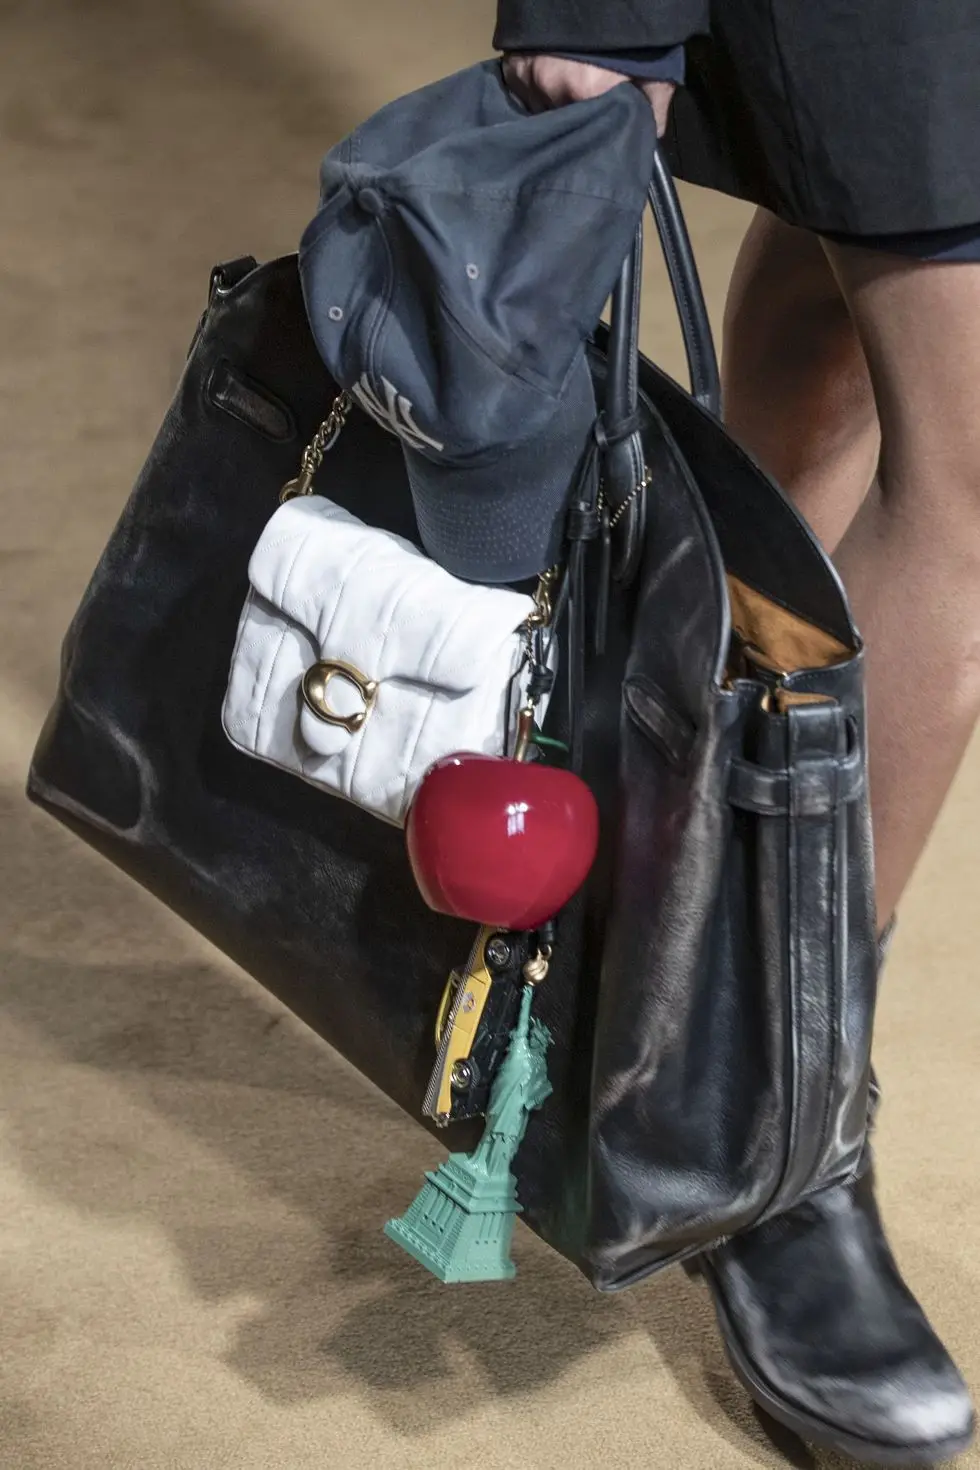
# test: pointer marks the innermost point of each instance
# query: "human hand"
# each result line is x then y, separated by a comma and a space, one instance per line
542, 82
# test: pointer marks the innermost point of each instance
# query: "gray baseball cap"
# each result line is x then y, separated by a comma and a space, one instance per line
460, 259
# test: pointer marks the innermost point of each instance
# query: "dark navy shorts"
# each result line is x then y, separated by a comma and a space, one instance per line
667, 64
960, 244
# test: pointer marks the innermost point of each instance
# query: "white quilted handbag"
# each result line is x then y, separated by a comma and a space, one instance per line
359, 662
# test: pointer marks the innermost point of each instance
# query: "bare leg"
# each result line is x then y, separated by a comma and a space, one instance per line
796, 385
812, 363
911, 558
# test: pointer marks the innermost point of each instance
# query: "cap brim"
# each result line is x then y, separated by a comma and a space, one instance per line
504, 521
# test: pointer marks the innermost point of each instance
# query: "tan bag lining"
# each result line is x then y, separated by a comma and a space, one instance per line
780, 641
787, 642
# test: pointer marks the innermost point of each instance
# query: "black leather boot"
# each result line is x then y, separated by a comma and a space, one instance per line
827, 1338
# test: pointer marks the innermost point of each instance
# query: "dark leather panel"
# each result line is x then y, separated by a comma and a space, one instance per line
229, 388
697, 1006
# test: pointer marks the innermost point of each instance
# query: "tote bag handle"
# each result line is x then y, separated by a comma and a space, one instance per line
624, 472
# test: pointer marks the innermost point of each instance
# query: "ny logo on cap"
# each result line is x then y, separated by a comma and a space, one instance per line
395, 414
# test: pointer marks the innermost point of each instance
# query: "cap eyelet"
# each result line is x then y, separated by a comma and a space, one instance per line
473, 271
370, 201
336, 313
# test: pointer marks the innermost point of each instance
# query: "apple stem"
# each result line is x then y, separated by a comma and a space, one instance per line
525, 733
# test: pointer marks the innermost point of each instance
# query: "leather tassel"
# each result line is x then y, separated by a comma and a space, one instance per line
576, 657
582, 528
605, 577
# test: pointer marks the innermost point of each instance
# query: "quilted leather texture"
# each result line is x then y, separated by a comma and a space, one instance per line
444, 655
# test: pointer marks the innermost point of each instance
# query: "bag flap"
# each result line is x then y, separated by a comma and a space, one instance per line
373, 600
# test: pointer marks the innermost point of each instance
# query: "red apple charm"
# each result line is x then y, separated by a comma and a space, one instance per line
501, 842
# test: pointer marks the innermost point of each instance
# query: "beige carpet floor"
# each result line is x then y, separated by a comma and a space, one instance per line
192, 1187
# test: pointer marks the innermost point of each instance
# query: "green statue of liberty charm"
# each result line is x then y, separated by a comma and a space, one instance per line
461, 1222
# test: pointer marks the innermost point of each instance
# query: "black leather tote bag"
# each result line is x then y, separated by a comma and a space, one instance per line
712, 987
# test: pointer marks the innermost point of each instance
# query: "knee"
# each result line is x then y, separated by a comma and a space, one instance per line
934, 487
919, 325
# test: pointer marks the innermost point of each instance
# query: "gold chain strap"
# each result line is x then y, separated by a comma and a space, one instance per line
537, 966
325, 438
322, 441
638, 489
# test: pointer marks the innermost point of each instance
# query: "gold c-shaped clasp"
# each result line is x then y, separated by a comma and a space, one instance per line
316, 686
